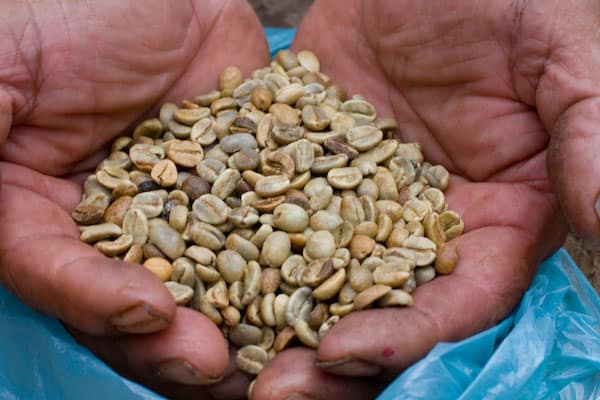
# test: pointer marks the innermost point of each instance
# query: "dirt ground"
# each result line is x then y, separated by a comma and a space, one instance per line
288, 13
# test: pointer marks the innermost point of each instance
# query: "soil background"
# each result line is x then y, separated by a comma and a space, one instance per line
288, 13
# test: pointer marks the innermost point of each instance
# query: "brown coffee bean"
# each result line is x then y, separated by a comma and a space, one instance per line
195, 186
447, 258
116, 211
337, 145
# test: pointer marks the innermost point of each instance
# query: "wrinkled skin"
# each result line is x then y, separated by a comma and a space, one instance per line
497, 92
73, 76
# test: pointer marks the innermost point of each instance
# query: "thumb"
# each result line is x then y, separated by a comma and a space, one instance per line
574, 166
568, 102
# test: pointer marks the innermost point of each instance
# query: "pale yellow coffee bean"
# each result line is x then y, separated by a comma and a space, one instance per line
94, 233
341, 309
253, 312
316, 272
273, 185
331, 286
346, 294
396, 237
276, 248
231, 265
182, 294
231, 316
290, 218
160, 267
134, 254
396, 297
299, 305
344, 178
135, 223
306, 335
393, 274
388, 190
361, 246
115, 247
261, 98
229, 79
210, 311
251, 359
167, 239
360, 278
217, 294
370, 295
321, 244
185, 153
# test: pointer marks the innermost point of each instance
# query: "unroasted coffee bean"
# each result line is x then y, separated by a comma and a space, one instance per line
195, 186
167, 239
160, 267
182, 294
210, 209
251, 359
290, 218
344, 178
185, 153
230, 78
276, 249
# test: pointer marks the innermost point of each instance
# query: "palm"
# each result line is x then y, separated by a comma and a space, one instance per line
446, 74
86, 73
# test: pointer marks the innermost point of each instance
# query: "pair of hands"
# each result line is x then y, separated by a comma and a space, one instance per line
505, 94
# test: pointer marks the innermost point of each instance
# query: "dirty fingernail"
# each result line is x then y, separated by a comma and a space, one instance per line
349, 367
181, 371
138, 319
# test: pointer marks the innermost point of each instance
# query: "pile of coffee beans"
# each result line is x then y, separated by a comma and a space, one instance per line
275, 206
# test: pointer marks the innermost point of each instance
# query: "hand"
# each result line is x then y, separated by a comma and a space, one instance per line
496, 92
73, 76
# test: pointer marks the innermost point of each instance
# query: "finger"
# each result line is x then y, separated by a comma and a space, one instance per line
247, 50
45, 264
497, 259
292, 375
190, 352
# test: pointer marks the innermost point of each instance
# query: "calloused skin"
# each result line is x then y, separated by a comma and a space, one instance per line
73, 76
499, 92
506, 95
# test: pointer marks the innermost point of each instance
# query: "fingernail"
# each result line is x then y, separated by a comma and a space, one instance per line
597, 206
299, 396
181, 371
349, 367
139, 319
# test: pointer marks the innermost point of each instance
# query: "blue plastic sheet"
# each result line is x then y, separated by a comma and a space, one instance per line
548, 348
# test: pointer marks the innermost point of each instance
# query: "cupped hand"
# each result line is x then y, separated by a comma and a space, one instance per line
73, 76
506, 95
